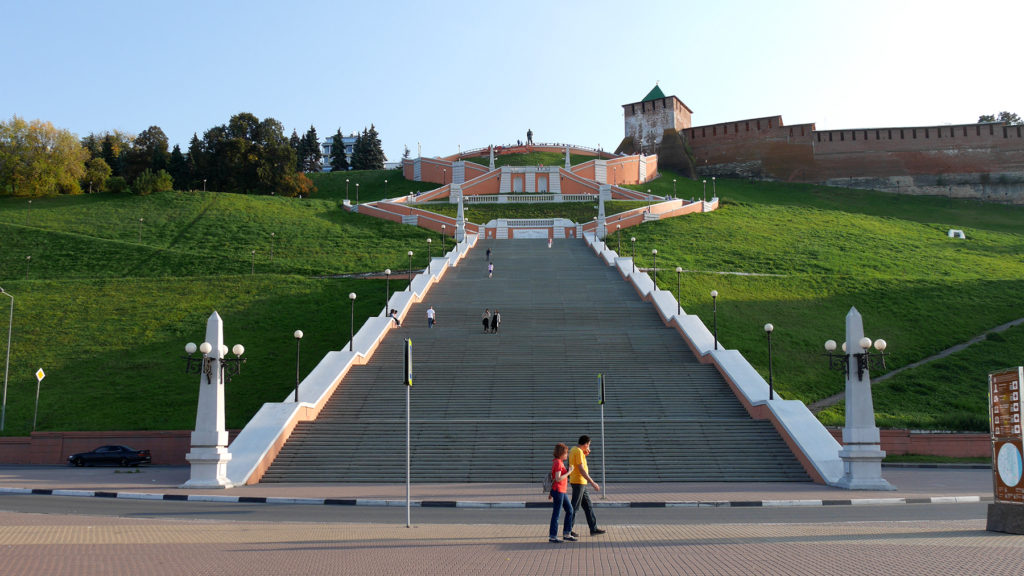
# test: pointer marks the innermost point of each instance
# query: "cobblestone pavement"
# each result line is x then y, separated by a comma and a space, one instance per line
55, 545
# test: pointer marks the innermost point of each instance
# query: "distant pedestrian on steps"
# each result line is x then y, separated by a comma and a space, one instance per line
486, 319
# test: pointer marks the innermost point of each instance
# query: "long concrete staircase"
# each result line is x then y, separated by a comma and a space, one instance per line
490, 407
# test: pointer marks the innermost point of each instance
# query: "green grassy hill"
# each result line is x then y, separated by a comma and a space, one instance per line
107, 315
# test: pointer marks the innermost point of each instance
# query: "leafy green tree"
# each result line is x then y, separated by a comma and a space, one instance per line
117, 185
148, 151
177, 167
249, 155
149, 182
1009, 118
296, 143
359, 152
38, 159
375, 158
114, 148
196, 162
96, 174
311, 159
339, 161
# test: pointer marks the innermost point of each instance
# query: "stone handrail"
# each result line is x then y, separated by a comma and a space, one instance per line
810, 441
256, 446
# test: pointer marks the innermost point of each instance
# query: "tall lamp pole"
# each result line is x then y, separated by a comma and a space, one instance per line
442, 237
679, 274
7, 363
387, 290
272, 246
705, 183
714, 191
429, 242
298, 340
352, 321
618, 237
654, 253
768, 329
410, 270
385, 188
346, 188
714, 306
357, 193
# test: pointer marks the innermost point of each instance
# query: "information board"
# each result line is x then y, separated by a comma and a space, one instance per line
1004, 390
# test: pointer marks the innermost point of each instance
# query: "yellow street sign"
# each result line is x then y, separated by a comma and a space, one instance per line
40, 375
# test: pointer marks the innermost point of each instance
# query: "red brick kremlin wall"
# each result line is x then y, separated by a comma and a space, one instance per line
966, 160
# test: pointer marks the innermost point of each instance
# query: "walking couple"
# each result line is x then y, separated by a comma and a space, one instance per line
578, 476
491, 321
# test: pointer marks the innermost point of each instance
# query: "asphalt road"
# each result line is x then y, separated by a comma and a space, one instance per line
243, 512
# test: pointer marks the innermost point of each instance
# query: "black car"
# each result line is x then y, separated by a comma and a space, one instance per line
112, 455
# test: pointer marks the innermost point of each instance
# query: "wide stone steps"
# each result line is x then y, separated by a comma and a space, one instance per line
490, 407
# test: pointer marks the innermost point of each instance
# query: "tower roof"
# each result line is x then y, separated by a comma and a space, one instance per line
654, 94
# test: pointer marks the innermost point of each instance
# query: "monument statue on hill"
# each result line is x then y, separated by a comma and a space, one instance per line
529, 137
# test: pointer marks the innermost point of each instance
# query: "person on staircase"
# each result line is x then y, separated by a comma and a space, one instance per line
486, 319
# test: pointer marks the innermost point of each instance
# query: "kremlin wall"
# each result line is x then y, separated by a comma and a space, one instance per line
983, 161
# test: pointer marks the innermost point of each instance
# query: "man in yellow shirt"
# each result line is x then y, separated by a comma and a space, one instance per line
578, 479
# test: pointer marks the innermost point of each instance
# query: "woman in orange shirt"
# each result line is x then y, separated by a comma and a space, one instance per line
559, 500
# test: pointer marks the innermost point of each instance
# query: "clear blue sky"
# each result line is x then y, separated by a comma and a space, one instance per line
446, 73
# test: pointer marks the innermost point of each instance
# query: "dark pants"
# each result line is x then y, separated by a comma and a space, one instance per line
580, 496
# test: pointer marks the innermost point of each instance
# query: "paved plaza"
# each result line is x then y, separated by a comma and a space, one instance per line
68, 541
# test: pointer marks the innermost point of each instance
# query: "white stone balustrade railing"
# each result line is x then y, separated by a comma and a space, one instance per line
264, 435
813, 445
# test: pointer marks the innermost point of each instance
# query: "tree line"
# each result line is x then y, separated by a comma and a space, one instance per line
245, 155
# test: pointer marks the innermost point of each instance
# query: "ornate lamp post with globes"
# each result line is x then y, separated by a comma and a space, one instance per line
209, 455
861, 453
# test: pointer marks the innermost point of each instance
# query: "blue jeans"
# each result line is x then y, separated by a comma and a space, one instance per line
560, 500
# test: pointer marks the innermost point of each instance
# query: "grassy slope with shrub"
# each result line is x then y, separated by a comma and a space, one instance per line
107, 316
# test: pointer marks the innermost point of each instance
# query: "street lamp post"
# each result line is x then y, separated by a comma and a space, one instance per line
204, 184
387, 290
714, 306
618, 237
444, 176
357, 193
714, 191
768, 329
252, 271
346, 188
429, 242
648, 199
654, 253
705, 193
633, 257
7, 363
298, 342
28, 260
679, 274
352, 321
140, 230
271, 246
410, 270
442, 237
673, 187
385, 188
